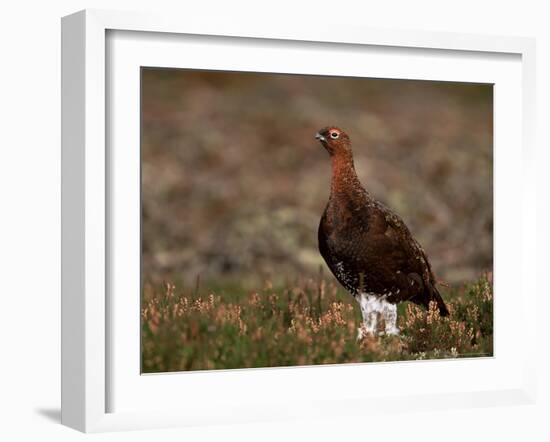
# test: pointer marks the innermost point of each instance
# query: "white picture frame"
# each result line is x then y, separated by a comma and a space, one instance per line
88, 320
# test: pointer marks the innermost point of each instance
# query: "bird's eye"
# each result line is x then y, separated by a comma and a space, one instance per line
334, 135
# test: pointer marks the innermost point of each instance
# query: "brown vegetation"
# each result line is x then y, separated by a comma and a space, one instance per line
309, 323
234, 183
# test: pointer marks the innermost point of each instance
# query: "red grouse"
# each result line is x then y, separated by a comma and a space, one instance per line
368, 248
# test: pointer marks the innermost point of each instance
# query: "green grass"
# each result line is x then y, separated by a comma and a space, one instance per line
307, 323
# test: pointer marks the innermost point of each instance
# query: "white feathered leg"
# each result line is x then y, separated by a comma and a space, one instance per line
389, 312
370, 307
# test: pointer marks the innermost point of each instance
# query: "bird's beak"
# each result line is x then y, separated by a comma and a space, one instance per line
320, 137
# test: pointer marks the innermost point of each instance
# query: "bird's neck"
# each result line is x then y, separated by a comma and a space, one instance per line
344, 177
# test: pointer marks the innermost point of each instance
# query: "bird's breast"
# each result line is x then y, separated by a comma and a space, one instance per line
344, 237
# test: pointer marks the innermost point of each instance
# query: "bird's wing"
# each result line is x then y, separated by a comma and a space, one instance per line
395, 260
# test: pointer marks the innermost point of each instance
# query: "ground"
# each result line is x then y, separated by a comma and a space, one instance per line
305, 323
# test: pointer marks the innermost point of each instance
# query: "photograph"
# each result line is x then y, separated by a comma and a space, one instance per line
298, 220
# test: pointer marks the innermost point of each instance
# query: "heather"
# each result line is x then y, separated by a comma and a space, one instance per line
308, 323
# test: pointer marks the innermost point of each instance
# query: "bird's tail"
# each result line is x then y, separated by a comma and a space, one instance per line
436, 296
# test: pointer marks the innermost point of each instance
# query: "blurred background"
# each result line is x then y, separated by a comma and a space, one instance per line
234, 183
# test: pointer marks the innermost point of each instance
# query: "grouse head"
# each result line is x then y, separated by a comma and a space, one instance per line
334, 140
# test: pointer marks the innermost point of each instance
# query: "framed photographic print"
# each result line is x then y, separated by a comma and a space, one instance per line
246, 220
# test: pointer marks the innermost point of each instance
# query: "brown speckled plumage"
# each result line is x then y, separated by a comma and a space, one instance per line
368, 248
